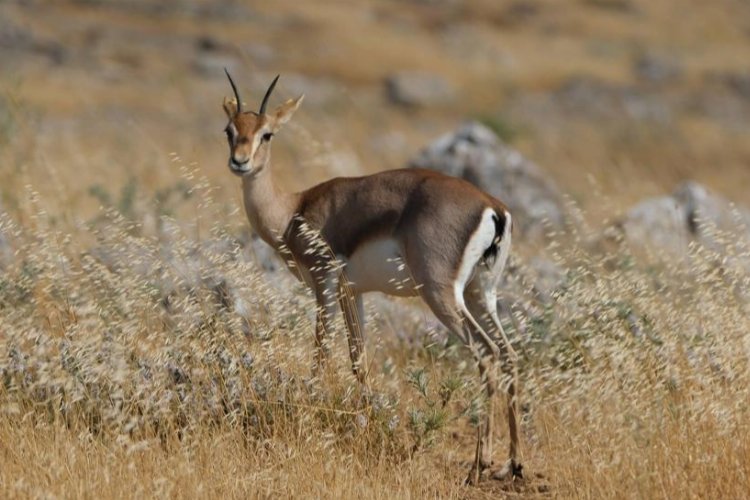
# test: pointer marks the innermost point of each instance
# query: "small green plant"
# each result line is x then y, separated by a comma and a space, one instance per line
427, 420
501, 125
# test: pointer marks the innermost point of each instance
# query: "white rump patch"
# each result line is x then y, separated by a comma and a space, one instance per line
479, 242
503, 250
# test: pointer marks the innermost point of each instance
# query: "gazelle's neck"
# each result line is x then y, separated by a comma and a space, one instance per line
268, 208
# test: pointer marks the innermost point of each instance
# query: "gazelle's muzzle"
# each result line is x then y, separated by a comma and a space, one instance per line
239, 167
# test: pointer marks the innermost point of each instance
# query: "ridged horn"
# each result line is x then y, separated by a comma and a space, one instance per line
268, 94
236, 94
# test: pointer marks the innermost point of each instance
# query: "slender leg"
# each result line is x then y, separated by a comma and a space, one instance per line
477, 297
513, 468
321, 347
353, 310
325, 296
442, 304
451, 307
489, 380
487, 372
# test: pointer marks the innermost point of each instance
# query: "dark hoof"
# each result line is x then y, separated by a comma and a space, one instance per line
510, 470
473, 478
476, 472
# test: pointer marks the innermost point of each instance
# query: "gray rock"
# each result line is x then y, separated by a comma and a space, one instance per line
706, 212
659, 223
598, 99
692, 213
547, 277
530, 282
654, 68
13, 36
417, 88
475, 153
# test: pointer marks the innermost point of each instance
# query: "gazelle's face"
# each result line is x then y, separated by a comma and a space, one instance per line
249, 137
249, 134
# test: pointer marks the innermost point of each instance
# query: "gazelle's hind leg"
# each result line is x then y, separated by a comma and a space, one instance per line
488, 356
482, 305
442, 302
443, 284
449, 307
480, 297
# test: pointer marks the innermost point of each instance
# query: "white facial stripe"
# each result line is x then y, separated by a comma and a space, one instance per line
255, 144
257, 141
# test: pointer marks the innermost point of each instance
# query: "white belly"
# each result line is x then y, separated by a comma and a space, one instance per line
377, 266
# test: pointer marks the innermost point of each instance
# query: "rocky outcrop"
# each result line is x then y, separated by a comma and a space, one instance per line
475, 153
691, 214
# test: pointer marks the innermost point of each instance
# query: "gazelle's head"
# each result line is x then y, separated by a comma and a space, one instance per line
249, 133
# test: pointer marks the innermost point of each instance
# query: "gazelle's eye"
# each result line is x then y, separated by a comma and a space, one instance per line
266, 137
228, 134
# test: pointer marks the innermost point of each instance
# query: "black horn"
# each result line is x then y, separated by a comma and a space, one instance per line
268, 94
236, 94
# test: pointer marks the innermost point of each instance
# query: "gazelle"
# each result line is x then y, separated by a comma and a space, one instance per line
402, 232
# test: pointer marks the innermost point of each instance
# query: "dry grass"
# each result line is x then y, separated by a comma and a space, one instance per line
143, 351
176, 368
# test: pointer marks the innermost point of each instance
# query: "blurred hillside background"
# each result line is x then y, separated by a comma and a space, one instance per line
619, 97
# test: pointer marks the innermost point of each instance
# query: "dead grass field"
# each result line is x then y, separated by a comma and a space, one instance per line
635, 384
135, 381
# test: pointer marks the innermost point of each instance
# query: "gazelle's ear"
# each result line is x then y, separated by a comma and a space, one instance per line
283, 113
230, 107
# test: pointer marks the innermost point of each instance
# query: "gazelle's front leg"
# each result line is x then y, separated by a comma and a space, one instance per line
322, 326
325, 297
354, 316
